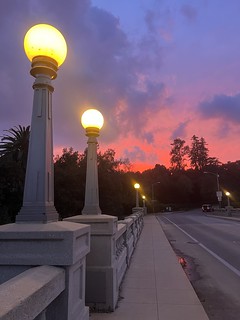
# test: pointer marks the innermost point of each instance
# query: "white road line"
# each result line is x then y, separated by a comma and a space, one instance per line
224, 262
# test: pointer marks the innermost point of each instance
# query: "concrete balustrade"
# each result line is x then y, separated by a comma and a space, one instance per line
31, 294
58, 293
61, 244
121, 252
112, 245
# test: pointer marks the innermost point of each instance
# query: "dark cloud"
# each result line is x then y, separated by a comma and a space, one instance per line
189, 12
148, 137
135, 154
103, 70
180, 131
222, 107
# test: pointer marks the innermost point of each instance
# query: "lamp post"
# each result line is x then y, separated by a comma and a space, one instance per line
46, 48
144, 200
228, 197
228, 206
219, 192
92, 121
137, 186
153, 194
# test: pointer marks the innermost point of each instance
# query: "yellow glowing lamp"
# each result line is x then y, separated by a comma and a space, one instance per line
45, 40
143, 197
92, 118
227, 194
136, 185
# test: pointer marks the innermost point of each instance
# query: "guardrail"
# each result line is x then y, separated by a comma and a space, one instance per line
112, 246
29, 295
49, 292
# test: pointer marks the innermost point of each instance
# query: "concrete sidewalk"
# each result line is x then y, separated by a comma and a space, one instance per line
155, 286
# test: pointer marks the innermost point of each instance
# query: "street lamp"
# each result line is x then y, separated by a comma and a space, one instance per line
144, 200
137, 186
46, 48
92, 121
219, 192
153, 184
228, 197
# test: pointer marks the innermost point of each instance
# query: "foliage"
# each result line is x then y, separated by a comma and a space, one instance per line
178, 154
179, 188
14, 144
13, 160
198, 153
69, 184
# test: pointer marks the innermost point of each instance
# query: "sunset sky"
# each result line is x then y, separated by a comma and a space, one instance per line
156, 69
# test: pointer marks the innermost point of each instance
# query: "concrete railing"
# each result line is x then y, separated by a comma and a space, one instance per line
112, 246
31, 294
49, 292
43, 271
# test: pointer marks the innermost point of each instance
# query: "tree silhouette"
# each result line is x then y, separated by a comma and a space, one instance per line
198, 153
14, 144
178, 154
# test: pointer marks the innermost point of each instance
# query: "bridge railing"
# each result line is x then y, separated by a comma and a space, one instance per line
50, 292
29, 295
43, 271
112, 246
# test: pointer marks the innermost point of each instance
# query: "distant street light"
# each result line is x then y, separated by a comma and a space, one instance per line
228, 197
144, 199
92, 121
219, 192
153, 184
137, 186
46, 48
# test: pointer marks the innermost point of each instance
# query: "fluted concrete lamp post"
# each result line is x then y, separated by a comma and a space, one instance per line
101, 279
46, 49
92, 121
38, 238
137, 186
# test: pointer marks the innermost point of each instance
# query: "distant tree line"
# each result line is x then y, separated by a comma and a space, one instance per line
189, 182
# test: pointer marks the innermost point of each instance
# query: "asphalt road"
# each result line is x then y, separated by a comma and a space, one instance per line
211, 249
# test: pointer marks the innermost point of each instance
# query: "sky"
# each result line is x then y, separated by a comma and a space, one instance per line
156, 69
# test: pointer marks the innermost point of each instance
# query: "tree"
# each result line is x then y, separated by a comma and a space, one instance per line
14, 144
178, 154
13, 162
113, 183
69, 182
198, 153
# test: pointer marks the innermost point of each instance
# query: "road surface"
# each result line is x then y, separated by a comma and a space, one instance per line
211, 249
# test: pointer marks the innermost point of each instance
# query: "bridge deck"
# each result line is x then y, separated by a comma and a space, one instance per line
155, 286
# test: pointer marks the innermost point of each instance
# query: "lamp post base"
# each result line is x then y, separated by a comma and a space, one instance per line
37, 214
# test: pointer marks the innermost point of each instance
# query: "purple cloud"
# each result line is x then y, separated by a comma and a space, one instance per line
103, 69
189, 12
221, 107
180, 131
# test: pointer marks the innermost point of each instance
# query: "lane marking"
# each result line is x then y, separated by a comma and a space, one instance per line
224, 262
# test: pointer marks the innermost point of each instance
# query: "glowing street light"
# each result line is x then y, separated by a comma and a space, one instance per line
92, 121
228, 197
46, 48
137, 186
144, 200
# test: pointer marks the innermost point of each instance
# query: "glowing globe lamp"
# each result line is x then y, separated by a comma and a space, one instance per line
45, 40
136, 185
92, 120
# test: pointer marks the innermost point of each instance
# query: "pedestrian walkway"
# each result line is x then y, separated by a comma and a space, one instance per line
155, 286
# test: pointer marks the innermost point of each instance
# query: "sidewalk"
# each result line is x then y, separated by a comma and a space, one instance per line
155, 286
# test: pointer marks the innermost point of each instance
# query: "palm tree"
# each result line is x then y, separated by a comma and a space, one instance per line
14, 144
